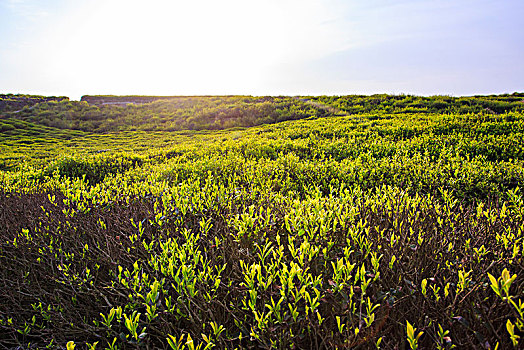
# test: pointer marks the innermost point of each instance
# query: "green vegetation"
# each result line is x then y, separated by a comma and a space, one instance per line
368, 230
10, 102
177, 113
118, 113
418, 104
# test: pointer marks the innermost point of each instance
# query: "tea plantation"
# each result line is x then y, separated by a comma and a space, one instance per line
239, 222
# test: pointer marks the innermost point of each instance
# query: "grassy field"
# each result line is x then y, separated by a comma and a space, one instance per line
392, 222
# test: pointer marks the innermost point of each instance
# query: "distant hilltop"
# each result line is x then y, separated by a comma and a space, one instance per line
12, 102
102, 100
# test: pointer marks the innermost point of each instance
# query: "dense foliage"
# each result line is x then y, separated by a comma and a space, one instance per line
11, 102
164, 113
177, 113
399, 230
419, 104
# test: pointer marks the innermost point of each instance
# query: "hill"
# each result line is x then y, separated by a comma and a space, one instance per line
14, 102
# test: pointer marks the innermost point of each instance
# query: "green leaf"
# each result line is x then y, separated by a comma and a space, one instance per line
409, 330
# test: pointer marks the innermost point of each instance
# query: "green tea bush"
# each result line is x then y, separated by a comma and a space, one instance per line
6, 127
93, 168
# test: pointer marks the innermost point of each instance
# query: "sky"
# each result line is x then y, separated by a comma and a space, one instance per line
254, 47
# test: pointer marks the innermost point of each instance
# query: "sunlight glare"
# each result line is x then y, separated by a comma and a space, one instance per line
185, 47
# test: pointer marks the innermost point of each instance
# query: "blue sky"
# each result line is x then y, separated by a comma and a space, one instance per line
269, 47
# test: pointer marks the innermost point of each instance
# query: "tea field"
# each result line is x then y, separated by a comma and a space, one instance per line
349, 222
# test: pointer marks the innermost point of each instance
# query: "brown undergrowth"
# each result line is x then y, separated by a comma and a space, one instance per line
60, 273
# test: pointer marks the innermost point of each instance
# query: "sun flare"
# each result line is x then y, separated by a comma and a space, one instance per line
192, 47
